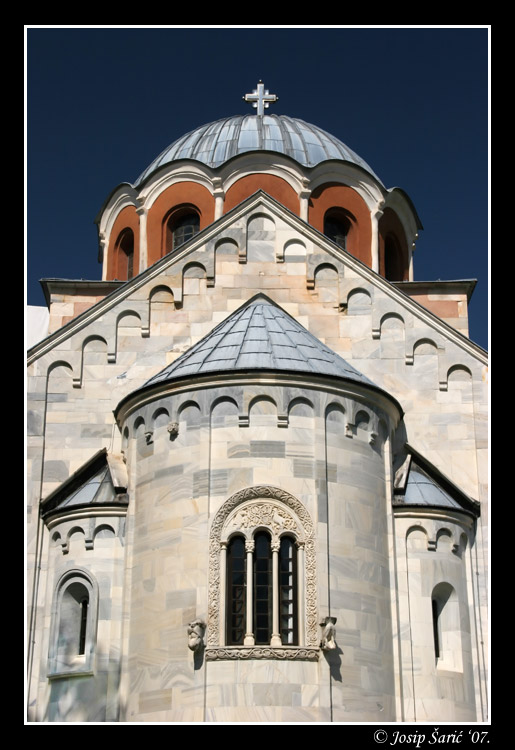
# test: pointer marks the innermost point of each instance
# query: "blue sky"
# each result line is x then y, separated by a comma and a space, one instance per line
413, 102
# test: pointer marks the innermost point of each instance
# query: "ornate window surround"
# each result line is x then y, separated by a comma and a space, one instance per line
276, 511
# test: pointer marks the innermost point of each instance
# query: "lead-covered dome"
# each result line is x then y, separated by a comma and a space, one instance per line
217, 142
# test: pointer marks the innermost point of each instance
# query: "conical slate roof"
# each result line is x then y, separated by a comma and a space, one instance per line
259, 336
424, 485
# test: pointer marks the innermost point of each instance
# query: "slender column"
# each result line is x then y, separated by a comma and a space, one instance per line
223, 592
375, 216
143, 254
304, 196
276, 635
219, 196
249, 625
301, 594
411, 251
102, 254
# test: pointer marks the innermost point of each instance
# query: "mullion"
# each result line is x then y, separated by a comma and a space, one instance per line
262, 589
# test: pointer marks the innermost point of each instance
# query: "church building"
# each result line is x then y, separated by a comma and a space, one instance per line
257, 451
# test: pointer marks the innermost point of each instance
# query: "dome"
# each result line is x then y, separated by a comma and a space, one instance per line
217, 142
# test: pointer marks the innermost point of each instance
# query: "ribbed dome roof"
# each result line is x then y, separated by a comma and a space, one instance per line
259, 336
215, 143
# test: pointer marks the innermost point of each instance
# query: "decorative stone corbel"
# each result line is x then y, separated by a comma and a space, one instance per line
196, 630
149, 437
328, 642
173, 430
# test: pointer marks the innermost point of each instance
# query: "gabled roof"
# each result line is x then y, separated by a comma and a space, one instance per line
260, 335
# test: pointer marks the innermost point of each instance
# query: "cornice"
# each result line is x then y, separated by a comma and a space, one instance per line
337, 386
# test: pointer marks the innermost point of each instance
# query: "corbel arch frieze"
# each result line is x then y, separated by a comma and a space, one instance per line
91, 339
71, 364
351, 286
233, 237
138, 309
296, 244
417, 336
442, 532
203, 259
315, 261
447, 370
380, 315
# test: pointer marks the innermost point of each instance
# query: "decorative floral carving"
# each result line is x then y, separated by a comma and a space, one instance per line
264, 514
261, 652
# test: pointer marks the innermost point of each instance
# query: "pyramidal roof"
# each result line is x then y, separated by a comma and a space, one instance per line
260, 335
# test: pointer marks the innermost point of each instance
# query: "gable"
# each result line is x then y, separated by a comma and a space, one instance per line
111, 350
317, 250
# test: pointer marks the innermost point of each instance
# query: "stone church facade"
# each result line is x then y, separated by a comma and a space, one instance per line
257, 452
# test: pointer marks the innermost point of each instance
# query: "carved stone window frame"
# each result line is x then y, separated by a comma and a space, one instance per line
272, 509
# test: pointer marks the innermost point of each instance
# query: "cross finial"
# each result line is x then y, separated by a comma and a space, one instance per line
260, 98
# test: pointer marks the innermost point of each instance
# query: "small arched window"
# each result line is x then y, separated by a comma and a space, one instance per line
446, 627
125, 252
393, 270
182, 225
74, 624
336, 226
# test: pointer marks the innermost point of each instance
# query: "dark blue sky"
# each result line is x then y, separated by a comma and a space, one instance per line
412, 102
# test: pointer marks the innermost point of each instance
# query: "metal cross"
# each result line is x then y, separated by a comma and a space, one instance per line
260, 98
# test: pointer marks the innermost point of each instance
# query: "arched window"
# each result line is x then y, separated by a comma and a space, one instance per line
181, 226
262, 606
446, 627
125, 252
393, 270
262, 578
336, 226
74, 624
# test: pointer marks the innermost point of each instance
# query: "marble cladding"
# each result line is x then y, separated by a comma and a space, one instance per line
178, 486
